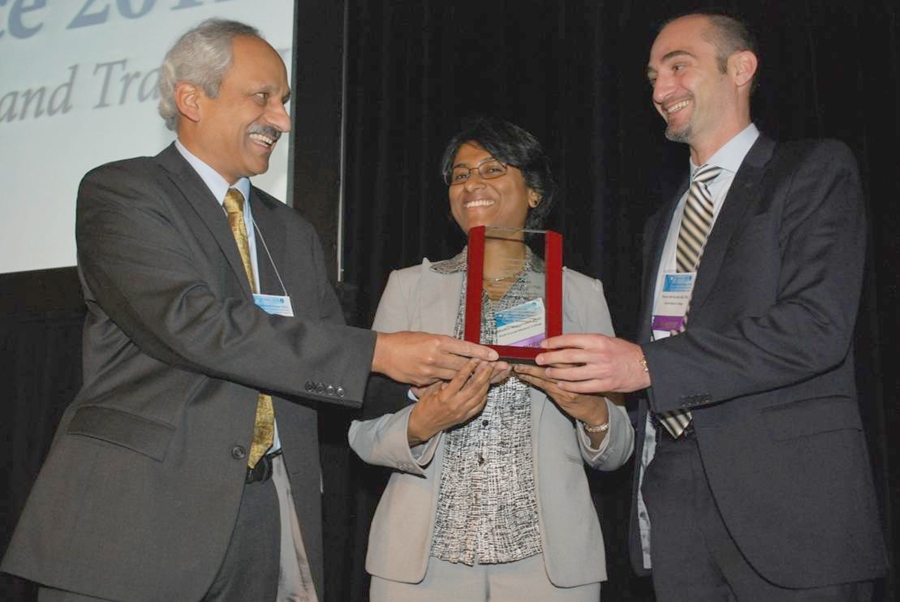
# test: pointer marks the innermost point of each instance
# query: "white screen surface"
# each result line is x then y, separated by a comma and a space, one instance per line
78, 89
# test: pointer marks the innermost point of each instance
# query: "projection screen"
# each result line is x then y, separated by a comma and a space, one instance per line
78, 89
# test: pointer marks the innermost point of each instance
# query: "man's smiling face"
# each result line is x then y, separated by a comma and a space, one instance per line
238, 129
690, 90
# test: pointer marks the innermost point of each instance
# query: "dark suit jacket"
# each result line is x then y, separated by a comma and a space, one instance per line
766, 366
142, 485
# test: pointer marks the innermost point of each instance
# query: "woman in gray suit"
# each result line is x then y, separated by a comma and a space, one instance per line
489, 499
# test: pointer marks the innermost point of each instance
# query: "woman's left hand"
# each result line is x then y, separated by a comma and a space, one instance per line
589, 409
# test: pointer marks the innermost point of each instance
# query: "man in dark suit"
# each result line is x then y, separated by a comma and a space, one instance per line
752, 466
169, 477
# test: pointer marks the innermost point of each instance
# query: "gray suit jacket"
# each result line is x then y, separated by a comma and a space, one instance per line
766, 366
400, 539
141, 488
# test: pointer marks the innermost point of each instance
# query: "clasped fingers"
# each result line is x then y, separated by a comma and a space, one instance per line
453, 403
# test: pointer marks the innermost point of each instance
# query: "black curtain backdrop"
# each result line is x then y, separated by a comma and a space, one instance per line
572, 72
41, 315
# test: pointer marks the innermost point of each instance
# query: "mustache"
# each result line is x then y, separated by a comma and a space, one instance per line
266, 130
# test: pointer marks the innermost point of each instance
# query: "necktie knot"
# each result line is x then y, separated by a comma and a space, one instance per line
706, 173
234, 201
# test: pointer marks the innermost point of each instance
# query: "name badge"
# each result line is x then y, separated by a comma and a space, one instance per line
277, 305
673, 301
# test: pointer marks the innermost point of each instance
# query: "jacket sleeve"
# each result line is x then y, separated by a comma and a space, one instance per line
381, 438
588, 311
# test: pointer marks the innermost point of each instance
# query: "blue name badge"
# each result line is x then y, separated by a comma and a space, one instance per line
672, 303
679, 283
276, 305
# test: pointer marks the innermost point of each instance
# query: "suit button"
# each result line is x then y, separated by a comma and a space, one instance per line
329, 390
320, 388
310, 386
238, 452
340, 391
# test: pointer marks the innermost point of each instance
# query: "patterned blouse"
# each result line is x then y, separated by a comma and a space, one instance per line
487, 509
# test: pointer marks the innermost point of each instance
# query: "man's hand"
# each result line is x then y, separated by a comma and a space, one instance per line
589, 409
443, 405
417, 358
594, 363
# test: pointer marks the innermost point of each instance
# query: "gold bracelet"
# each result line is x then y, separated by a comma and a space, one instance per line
593, 430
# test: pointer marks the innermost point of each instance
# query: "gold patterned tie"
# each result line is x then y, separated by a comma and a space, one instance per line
264, 428
696, 224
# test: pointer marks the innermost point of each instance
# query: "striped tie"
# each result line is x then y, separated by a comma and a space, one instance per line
696, 224
264, 427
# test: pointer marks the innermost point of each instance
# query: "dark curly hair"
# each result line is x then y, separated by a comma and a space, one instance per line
513, 146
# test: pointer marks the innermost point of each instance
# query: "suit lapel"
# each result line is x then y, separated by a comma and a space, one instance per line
206, 206
743, 188
439, 300
656, 232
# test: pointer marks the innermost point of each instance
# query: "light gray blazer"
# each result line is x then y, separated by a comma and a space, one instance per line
417, 298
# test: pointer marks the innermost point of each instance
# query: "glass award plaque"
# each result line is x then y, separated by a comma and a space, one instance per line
513, 297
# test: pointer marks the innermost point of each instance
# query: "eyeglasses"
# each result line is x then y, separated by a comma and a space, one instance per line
488, 170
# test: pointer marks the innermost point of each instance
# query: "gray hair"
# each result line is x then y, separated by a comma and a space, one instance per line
201, 57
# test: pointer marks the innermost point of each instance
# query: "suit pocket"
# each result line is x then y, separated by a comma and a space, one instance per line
128, 430
812, 416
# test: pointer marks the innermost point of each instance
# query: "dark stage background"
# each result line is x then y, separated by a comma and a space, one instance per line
572, 72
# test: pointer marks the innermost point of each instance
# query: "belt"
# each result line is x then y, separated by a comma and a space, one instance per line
262, 472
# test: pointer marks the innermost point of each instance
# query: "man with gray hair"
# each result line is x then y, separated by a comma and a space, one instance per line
187, 467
